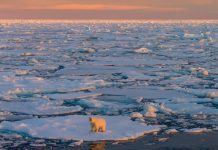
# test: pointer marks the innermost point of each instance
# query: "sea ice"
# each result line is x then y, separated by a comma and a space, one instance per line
166, 109
21, 72
213, 94
191, 108
197, 130
102, 68
78, 143
88, 50
4, 115
171, 131
136, 115
27, 54
77, 128
37, 107
143, 50
202, 71
151, 111
191, 35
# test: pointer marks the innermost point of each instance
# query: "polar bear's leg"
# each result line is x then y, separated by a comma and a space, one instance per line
96, 127
104, 128
92, 127
100, 129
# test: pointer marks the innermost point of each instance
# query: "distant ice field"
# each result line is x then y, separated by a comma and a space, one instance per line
58, 71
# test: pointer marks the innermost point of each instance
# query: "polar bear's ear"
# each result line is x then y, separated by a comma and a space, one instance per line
90, 119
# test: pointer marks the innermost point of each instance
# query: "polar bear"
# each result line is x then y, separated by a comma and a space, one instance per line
97, 124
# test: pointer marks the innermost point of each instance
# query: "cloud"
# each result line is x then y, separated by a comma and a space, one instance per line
109, 7
77, 6
84, 5
202, 2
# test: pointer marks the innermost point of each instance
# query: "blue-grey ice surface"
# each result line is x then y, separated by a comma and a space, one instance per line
57, 70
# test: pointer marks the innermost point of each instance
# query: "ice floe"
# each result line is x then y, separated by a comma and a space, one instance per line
171, 131
4, 115
151, 111
37, 107
88, 50
200, 93
110, 69
191, 108
78, 143
191, 35
213, 94
197, 130
166, 110
136, 115
27, 54
21, 72
202, 71
77, 127
143, 50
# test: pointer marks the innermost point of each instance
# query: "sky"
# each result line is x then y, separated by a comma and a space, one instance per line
108, 9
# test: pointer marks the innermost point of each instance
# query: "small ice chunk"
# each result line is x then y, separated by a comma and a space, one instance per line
215, 129
166, 110
200, 116
142, 50
202, 71
4, 115
171, 131
27, 54
163, 139
213, 94
3, 143
197, 130
150, 115
88, 50
190, 35
151, 108
78, 143
205, 72
136, 115
38, 144
21, 72
115, 143
12, 136
4, 46
139, 99
33, 60
17, 91
151, 111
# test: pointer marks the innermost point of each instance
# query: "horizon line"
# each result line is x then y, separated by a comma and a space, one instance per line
110, 21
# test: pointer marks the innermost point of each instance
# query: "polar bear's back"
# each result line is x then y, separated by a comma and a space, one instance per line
99, 121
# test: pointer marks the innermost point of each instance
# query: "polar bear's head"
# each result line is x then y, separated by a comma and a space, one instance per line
91, 119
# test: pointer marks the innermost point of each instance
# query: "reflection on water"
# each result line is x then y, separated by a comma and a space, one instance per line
97, 146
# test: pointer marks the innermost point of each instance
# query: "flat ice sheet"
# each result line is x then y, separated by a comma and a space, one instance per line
77, 127
39, 107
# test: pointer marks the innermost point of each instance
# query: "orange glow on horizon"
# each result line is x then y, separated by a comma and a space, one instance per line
77, 6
